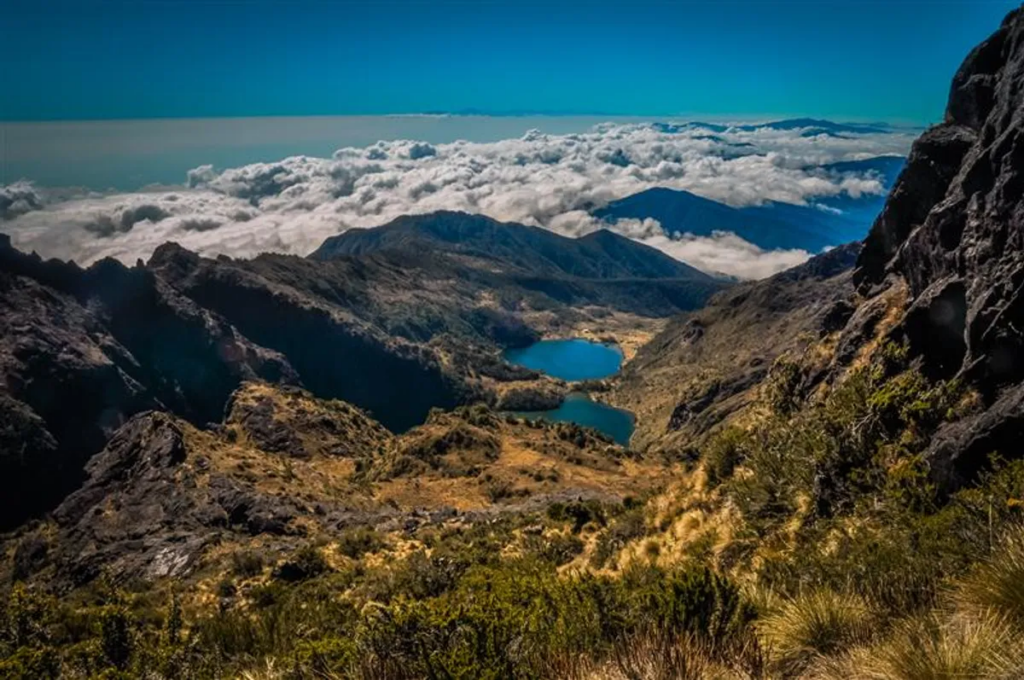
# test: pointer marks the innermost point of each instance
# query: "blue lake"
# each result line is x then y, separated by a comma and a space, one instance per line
580, 409
573, 359
577, 359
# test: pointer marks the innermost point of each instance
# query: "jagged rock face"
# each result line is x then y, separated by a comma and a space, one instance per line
153, 503
954, 225
162, 491
83, 350
953, 229
288, 421
336, 353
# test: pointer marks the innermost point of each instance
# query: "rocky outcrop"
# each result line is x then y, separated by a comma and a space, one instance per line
81, 351
953, 230
324, 334
290, 421
153, 502
164, 498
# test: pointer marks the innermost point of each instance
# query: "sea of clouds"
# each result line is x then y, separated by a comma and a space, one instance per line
551, 181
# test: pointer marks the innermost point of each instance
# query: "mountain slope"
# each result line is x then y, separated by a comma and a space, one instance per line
601, 255
939, 274
163, 494
771, 226
397, 331
83, 350
952, 233
815, 125
707, 364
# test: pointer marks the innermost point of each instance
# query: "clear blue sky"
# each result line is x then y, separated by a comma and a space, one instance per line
847, 59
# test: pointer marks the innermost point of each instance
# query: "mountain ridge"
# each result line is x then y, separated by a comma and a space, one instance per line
89, 348
592, 255
831, 221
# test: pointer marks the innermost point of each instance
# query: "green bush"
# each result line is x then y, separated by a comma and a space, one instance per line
246, 564
306, 563
508, 621
557, 549
627, 527
723, 453
356, 542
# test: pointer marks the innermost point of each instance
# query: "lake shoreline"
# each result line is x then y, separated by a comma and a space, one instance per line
582, 363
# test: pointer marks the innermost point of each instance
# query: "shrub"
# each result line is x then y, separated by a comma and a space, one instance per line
116, 635
419, 576
510, 621
558, 549
782, 386
580, 513
355, 543
722, 454
306, 563
246, 564
657, 655
498, 489
627, 527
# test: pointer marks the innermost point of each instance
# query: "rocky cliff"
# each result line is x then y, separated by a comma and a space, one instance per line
941, 271
283, 467
953, 231
83, 350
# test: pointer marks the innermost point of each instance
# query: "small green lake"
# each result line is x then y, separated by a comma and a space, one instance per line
572, 360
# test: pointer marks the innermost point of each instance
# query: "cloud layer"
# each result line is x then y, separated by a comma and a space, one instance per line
552, 181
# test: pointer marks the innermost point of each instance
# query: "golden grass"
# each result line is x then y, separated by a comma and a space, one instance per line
997, 585
816, 624
936, 647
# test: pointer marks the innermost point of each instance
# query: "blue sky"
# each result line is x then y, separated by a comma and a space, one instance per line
844, 59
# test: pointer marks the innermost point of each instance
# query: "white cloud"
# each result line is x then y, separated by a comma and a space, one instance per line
727, 253
552, 181
19, 198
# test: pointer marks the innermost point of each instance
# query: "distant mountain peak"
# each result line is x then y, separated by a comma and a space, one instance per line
602, 255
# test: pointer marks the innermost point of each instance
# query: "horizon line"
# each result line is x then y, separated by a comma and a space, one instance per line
691, 117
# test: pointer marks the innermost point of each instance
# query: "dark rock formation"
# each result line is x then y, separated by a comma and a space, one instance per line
290, 421
83, 350
953, 229
134, 494
151, 505
336, 353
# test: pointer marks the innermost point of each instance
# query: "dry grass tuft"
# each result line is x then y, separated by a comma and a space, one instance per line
812, 625
936, 647
997, 584
658, 656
